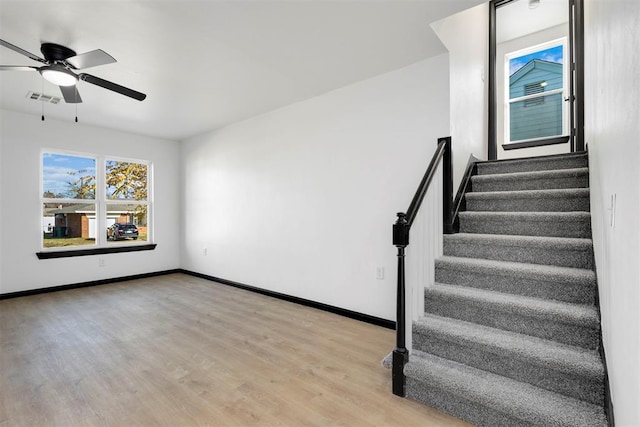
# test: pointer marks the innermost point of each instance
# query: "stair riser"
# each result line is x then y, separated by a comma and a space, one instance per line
532, 166
548, 288
527, 204
549, 328
547, 255
517, 184
459, 407
511, 365
574, 228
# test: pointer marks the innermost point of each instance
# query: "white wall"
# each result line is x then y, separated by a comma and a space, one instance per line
465, 36
612, 102
301, 200
22, 137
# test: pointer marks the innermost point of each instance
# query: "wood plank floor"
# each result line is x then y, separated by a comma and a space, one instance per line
177, 350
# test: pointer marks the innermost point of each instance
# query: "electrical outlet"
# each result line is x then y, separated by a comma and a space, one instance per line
101, 262
380, 273
205, 251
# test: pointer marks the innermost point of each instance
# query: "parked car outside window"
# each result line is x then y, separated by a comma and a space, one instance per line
119, 231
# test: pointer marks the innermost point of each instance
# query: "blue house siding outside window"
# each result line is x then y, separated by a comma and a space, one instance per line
539, 115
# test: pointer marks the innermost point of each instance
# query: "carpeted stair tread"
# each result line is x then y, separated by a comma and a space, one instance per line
486, 399
551, 272
555, 200
551, 224
567, 284
536, 241
544, 352
534, 180
569, 370
562, 251
572, 324
561, 161
577, 314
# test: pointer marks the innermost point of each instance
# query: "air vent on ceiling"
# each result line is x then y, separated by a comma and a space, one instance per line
44, 98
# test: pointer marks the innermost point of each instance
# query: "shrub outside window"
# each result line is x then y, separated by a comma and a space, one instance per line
92, 201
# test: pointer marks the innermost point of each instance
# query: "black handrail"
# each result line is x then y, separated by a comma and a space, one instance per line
401, 241
426, 180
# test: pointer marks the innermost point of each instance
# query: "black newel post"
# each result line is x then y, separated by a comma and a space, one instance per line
401, 241
400, 353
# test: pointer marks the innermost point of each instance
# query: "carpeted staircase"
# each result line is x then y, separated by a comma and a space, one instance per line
511, 330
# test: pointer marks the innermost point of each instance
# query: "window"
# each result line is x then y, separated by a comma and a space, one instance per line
534, 107
93, 201
127, 195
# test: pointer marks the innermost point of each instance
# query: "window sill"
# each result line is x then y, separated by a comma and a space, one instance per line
535, 142
94, 251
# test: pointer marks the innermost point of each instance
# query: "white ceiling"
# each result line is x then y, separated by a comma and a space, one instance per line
516, 19
205, 64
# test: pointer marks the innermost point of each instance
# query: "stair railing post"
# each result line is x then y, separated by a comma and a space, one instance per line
401, 241
400, 353
447, 186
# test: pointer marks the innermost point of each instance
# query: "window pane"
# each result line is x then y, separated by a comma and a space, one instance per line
537, 117
542, 68
68, 224
126, 180
533, 76
68, 177
127, 223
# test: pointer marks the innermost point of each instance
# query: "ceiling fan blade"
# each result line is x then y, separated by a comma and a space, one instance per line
90, 59
70, 94
17, 68
22, 51
112, 86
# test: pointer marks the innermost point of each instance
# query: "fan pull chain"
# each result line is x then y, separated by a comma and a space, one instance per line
76, 95
42, 103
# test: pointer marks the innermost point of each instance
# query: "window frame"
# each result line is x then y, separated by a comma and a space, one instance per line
148, 202
100, 203
507, 101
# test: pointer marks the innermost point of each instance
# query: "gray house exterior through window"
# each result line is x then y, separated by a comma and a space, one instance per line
539, 114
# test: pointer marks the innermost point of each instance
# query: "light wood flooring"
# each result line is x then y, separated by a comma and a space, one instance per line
177, 350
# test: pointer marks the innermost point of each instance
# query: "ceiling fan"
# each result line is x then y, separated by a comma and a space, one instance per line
60, 62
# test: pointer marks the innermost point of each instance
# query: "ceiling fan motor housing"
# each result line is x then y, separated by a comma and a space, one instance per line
54, 52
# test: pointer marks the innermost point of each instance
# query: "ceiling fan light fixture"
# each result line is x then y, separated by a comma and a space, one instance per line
58, 75
60, 61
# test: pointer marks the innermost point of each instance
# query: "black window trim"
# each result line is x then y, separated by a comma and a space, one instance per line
538, 142
94, 251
